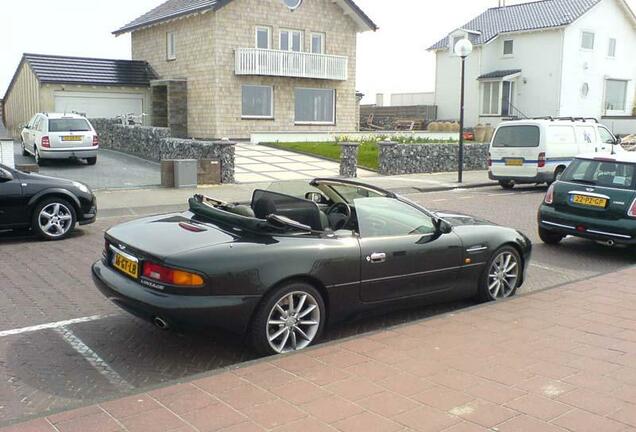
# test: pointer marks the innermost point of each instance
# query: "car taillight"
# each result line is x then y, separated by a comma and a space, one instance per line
171, 276
95, 140
541, 162
632, 210
549, 196
46, 142
489, 160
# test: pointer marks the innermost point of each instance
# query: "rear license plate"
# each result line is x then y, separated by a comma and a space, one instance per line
73, 138
514, 162
589, 201
126, 265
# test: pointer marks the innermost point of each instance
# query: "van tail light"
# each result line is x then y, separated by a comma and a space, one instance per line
172, 276
95, 141
632, 210
46, 142
541, 163
549, 196
489, 160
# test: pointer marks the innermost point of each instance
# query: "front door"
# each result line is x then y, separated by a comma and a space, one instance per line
402, 253
13, 209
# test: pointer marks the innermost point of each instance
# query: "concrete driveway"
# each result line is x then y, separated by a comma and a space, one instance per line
114, 170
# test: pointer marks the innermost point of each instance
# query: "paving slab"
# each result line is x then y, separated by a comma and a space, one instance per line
335, 388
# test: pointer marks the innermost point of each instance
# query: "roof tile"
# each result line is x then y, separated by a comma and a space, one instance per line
523, 17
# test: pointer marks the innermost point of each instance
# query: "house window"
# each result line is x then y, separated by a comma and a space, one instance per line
587, 40
257, 102
611, 52
508, 47
315, 106
291, 40
263, 37
171, 46
615, 95
318, 43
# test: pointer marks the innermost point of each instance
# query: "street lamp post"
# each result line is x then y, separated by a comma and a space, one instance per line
463, 49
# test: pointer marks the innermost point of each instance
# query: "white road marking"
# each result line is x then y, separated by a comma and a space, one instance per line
550, 269
94, 359
52, 325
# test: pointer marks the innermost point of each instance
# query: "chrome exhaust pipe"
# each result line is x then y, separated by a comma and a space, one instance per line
611, 243
608, 243
160, 323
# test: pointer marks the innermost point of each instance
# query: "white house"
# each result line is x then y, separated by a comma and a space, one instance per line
558, 58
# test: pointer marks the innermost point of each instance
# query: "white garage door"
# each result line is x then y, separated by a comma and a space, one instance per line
99, 105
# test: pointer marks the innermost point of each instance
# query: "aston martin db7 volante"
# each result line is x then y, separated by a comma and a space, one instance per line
280, 267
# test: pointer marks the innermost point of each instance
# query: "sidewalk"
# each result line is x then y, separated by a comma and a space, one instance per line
122, 202
557, 360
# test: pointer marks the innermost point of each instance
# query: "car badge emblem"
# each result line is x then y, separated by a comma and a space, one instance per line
589, 189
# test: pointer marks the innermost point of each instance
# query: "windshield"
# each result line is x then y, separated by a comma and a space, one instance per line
69, 125
603, 173
389, 217
517, 136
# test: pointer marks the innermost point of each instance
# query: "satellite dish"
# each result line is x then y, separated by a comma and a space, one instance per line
293, 4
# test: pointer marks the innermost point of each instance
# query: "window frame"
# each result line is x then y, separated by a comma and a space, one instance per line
588, 32
500, 97
269, 36
290, 32
611, 48
512, 53
323, 123
625, 108
171, 46
453, 39
258, 117
323, 42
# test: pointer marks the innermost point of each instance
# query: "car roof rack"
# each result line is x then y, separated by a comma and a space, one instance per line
572, 119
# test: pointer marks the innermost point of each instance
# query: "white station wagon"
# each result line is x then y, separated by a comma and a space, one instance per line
60, 136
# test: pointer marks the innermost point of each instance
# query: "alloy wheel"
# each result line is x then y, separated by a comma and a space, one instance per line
55, 219
293, 322
503, 275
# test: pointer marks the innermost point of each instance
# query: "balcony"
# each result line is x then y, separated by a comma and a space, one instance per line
254, 61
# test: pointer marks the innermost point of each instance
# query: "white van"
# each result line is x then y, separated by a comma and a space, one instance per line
538, 150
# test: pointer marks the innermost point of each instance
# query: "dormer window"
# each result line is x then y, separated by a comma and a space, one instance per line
453, 41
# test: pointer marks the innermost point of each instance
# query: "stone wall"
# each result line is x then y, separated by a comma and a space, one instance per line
349, 159
155, 144
396, 159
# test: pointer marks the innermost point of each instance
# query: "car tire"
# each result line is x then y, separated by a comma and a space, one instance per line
499, 283
55, 213
507, 184
276, 331
550, 237
557, 175
36, 155
91, 160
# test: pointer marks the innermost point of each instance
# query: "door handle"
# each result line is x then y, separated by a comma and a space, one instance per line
376, 258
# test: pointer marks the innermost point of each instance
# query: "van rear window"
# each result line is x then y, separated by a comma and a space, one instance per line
517, 136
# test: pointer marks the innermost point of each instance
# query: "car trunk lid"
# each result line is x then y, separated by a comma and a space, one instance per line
165, 235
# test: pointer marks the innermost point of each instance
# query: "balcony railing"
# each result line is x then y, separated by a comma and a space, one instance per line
254, 61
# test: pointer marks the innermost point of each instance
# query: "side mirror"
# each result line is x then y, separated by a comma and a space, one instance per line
618, 141
5, 176
316, 197
443, 227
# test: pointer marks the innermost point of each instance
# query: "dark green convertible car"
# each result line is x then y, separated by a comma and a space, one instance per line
595, 198
299, 256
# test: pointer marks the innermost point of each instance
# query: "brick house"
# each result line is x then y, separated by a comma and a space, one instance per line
231, 67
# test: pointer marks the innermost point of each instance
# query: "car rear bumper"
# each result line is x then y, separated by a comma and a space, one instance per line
621, 231
231, 313
541, 177
68, 153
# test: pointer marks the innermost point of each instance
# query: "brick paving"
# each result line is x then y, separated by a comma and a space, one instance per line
563, 359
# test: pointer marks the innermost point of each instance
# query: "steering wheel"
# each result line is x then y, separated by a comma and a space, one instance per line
339, 215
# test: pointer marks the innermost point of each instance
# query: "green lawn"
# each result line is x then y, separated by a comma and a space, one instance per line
367, 158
